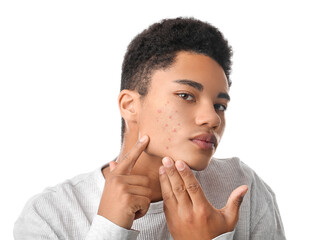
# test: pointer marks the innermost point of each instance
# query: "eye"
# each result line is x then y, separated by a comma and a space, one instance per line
186, 96
220, 107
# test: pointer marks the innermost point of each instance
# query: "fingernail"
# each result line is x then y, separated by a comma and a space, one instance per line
143, 138
244, 193
167, 162
161, 170
180, 165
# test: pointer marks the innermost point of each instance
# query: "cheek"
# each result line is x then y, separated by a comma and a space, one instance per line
164, 128
170, 126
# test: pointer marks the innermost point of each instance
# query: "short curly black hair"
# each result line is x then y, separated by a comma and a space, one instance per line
157, 46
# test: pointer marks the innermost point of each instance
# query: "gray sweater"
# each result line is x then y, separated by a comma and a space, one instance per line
69, 210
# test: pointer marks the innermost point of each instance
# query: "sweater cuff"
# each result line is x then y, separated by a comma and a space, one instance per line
225, 236
103, 228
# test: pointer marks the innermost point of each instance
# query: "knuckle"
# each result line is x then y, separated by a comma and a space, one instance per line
139, 203
179, 189
139, 145
193, 187
126, 157
135, 207
167, 196
237, 202
147, 201
185, 173
203, 211
171, 172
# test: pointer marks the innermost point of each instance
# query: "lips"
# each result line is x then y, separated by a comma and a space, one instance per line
205, 141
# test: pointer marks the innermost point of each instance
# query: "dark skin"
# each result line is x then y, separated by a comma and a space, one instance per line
169, 121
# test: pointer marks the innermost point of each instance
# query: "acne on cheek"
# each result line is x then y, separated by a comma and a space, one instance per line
168, 122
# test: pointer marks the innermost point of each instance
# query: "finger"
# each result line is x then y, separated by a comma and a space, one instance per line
126, 163
231, 210
134, 180
192, 185
137, 180
112, 165
177, 184
139, 191
169, 199
140, 206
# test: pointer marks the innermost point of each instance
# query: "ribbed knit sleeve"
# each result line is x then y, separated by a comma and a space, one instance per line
32, 226
103, 229
225, 236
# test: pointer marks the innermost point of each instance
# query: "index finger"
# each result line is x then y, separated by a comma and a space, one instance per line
126, 162
192, 185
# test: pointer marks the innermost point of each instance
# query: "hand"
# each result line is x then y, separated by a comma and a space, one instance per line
126, 197
188, 212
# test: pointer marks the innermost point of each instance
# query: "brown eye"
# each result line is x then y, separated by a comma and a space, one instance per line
186, 96
220, 107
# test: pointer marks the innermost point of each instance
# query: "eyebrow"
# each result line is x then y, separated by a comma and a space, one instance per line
224, 95
190, 83
200, 87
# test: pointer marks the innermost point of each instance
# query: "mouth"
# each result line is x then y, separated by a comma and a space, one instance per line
205, 141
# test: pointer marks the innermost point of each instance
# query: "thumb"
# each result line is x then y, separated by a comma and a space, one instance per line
231, 210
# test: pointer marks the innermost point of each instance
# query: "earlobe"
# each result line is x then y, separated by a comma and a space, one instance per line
128, 105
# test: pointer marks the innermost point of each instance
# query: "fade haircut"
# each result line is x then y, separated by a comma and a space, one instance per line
157, 46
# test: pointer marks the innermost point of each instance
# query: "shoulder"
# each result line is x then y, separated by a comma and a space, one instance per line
63, 197
227, 174
259, 210
227, 168
235, 169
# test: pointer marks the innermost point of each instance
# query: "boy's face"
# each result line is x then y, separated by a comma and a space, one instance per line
183, 112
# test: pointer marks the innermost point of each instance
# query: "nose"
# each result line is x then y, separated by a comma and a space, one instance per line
207, 116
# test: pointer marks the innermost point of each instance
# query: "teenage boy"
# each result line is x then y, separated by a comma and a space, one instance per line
164, 184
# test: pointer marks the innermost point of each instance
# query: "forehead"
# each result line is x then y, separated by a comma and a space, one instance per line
191, 66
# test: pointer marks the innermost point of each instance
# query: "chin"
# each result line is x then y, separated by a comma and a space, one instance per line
197, 161
198, 166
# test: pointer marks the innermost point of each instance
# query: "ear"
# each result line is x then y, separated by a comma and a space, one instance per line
128, 104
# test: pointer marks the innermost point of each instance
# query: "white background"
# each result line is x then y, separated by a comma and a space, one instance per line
60, 65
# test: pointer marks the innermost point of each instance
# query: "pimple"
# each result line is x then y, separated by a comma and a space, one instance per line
170, 117
169, 139
176, 111
167, 147
174, 130
159, 111
179, 124
166, 125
